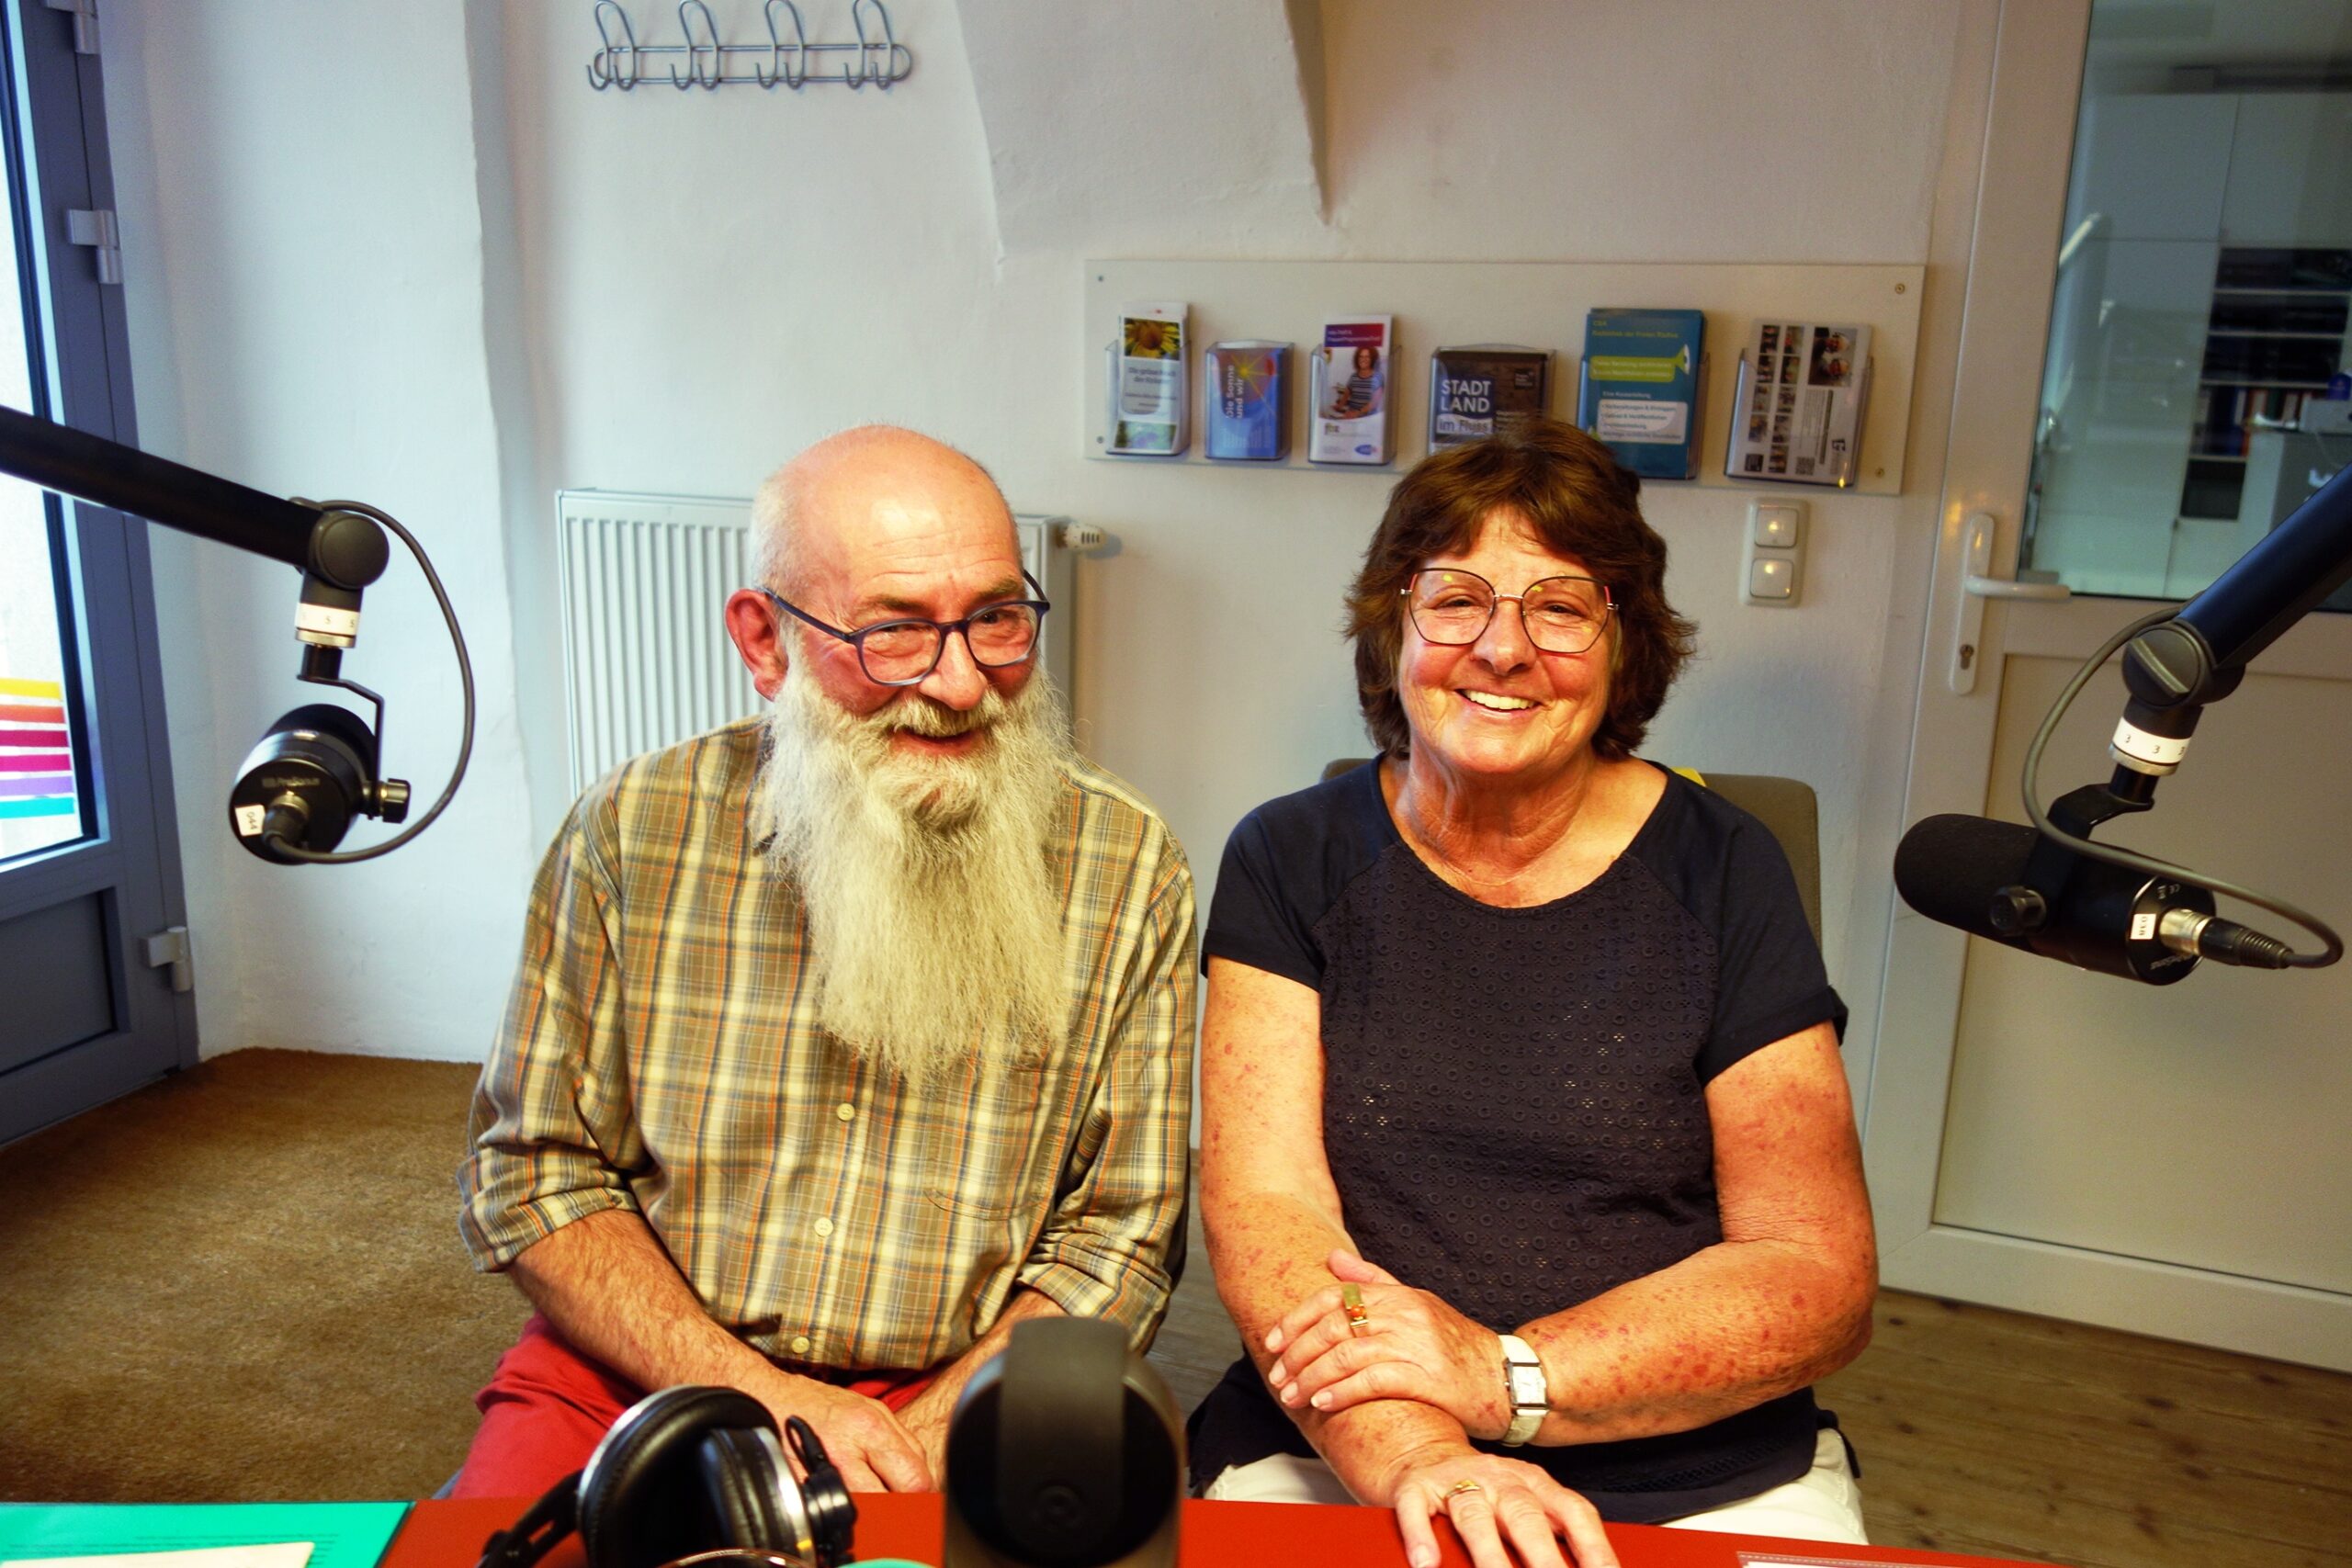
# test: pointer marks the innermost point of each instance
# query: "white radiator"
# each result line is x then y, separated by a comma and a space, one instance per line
647, 659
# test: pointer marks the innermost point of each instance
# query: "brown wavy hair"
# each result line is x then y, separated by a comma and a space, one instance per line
1573, 497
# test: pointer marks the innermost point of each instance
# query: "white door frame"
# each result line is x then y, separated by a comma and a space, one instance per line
2036, 83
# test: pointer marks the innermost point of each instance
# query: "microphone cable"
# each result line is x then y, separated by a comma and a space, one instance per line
2148, 864
277, 842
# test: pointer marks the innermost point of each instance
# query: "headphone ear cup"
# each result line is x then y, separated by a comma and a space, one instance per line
745, 1480
642, 1501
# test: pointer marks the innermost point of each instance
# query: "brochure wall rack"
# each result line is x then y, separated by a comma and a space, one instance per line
1542, 304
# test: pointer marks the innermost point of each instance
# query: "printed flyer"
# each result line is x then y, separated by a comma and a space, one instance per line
1352, 391
1147, 395
1804, 388
1243, 410
1473, 386
1640, 389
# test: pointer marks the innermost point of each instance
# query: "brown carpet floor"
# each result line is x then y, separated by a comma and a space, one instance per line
244, 1282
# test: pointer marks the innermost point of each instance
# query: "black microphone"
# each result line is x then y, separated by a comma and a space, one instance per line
306, 779
1990, 879
1066, 1451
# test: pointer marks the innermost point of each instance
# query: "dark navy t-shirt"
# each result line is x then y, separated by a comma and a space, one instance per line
1514, 1103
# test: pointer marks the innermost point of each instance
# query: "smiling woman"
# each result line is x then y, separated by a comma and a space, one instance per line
1478, 691
1527, 1165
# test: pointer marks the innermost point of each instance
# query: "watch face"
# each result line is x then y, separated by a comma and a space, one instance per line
1527, 1386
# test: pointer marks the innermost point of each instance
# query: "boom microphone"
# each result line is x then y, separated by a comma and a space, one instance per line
2004, 882
307, 779
2050, 888
316, 768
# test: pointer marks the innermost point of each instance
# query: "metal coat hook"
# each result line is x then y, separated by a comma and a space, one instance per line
697, 49
866, 47
605, 71
796, 72
877, 59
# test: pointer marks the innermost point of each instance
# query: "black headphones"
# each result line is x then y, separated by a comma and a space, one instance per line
691, 1470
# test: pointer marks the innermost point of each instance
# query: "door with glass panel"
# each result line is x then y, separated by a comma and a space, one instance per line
2148, 343
93, 958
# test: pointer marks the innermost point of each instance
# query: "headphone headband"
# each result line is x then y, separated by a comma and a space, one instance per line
691, 1472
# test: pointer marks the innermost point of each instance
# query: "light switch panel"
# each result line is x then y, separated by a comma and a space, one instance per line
1776, 524
1771, 557
1771, 578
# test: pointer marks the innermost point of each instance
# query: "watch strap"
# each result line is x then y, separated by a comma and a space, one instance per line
1524, 1387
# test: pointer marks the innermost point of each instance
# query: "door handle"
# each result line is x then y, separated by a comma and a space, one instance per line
2009, 588
1977, 585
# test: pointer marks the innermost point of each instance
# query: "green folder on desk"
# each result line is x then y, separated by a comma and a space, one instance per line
342, 1534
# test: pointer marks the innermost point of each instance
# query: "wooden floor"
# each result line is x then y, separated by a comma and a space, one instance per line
1992, 1432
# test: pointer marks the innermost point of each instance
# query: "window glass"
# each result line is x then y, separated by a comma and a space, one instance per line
41, 803
2194, 389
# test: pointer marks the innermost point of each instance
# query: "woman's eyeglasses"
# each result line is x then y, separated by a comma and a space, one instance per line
1562, 614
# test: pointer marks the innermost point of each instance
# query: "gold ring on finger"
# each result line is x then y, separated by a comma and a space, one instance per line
1459, 1487
1352, 1302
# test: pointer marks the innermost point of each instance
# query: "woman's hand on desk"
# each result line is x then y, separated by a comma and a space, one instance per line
1410, 1344
1507, 1513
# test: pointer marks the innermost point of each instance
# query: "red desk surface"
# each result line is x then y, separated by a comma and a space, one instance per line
1213, 1534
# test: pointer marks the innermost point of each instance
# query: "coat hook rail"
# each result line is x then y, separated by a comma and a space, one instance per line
786, 59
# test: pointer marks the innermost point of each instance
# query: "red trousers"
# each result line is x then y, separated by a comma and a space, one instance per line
546, 1407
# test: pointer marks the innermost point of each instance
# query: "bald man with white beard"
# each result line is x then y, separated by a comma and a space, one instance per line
848, 1036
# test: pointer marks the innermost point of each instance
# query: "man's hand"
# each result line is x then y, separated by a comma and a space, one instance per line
925, 1419
1412, 1346
610, 1288
872, 1448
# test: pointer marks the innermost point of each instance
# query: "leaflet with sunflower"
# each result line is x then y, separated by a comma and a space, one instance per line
1147, 395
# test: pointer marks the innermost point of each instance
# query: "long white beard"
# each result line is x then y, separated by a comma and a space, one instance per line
934, 923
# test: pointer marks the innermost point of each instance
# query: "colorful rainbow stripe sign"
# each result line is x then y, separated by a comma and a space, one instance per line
35, 757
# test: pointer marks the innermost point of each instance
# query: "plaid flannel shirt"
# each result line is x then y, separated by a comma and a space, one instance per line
660, 1054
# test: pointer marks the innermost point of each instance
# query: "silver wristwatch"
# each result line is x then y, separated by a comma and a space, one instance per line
1523, 1386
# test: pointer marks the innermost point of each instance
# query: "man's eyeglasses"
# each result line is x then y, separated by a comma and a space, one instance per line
1562, 614
905, 652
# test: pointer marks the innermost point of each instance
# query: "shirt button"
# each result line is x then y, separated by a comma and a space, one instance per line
845, 1110
824, 1227
800, 1344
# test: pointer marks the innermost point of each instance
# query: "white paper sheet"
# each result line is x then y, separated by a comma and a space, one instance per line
289, 1554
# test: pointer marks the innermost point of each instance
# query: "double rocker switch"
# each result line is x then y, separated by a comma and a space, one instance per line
1771, 558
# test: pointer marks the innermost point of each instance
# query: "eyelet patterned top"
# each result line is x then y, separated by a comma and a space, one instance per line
1514, 1104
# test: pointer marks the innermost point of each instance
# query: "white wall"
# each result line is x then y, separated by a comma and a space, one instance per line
307, 308
690, 287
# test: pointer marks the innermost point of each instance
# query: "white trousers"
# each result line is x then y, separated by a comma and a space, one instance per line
1823, 1504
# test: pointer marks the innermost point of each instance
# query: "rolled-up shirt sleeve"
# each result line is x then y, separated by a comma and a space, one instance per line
1115, 1240
551, 1131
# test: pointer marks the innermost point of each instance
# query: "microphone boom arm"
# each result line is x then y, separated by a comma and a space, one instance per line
339, 547
2199, 654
